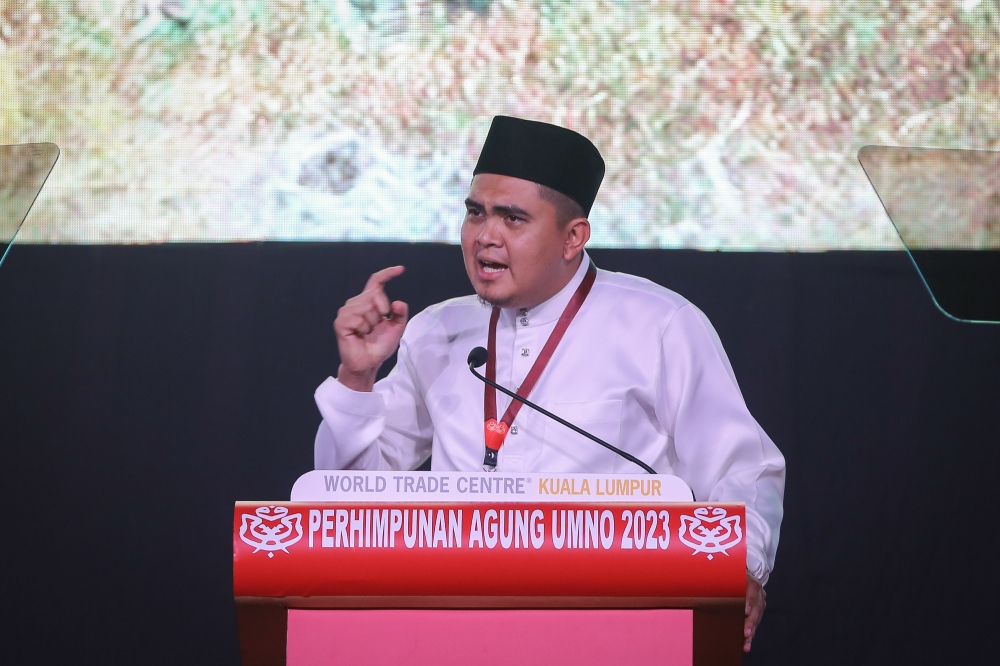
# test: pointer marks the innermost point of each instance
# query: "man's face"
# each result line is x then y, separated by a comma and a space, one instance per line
516, 254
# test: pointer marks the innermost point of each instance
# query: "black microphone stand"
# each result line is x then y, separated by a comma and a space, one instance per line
623, 454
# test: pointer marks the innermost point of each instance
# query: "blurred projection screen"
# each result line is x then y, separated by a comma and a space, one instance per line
945, 204
725, 125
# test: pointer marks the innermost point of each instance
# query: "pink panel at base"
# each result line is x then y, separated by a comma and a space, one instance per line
523, 637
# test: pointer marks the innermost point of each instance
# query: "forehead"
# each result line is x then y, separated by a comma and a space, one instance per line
495, 190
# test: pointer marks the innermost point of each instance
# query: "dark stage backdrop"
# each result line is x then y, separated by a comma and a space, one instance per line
143, 390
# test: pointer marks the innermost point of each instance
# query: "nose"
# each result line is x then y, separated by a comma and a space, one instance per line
489, 235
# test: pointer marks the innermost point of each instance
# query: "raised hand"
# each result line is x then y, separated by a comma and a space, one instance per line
368, 330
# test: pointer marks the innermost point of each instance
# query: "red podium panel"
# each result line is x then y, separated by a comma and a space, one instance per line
499, 563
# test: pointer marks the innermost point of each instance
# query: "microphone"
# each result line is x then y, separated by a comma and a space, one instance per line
479, 356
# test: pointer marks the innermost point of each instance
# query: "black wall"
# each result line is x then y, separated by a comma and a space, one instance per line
145, 389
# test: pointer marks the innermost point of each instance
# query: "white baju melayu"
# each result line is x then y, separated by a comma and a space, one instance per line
640, 367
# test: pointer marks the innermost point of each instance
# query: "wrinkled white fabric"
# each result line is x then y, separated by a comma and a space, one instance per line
640, 367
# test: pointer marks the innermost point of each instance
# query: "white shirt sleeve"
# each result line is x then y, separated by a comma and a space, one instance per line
388, 428
722, 454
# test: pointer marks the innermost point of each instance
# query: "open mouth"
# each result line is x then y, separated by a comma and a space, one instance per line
492, 267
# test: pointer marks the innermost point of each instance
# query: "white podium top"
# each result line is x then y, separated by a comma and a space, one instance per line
351, 486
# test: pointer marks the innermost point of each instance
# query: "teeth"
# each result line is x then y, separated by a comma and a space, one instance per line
490, 267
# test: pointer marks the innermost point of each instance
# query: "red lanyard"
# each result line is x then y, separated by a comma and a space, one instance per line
496, 431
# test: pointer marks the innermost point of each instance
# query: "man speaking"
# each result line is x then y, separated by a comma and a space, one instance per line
620, 357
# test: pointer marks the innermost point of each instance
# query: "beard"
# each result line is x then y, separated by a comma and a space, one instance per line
489, 304
495, 302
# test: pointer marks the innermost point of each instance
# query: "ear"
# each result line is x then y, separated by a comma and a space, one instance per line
577, 234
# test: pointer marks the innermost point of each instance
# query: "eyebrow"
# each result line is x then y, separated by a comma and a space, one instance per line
502, 209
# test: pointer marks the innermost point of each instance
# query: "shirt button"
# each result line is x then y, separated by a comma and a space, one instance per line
524, 321
525, 352
513, 430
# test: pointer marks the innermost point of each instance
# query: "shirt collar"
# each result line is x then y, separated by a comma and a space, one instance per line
550, 310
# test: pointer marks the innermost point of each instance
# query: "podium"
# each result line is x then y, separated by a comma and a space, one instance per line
411, 567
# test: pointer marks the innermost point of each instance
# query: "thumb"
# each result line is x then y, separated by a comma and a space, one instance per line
399, 313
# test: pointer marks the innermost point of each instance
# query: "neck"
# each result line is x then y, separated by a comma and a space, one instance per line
565, 276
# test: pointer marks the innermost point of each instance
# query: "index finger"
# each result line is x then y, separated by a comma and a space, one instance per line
381, 277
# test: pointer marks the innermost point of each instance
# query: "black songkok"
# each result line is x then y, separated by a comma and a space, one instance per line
546, 154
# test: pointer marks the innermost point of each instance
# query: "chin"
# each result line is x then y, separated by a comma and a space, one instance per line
494, 297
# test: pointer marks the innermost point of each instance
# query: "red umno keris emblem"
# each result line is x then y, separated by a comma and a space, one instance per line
496, 431
271, 528
710, 530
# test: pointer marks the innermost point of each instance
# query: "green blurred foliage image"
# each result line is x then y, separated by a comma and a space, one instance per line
726, 124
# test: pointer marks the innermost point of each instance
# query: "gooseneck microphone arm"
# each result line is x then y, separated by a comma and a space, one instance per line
478, 357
